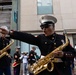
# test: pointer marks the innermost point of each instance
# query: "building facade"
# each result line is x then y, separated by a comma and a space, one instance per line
5, 12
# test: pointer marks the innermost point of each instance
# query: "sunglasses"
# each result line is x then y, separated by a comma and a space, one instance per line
44, 26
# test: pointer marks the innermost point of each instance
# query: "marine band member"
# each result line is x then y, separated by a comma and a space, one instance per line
47, 42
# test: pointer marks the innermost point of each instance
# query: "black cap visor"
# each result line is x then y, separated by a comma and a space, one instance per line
46, 25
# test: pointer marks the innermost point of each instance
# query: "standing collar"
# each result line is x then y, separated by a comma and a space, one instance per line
53, 35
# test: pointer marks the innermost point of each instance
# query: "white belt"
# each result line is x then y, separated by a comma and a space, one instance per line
57, 60
54, 60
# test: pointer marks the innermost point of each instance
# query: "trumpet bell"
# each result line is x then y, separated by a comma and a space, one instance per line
15, 64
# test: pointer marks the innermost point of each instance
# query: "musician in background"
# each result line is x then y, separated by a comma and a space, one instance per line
16, 59
5, 61
47, 42
32, 56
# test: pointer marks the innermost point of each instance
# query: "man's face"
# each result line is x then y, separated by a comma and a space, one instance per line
33, 48
48, 30
17, 50
3, 35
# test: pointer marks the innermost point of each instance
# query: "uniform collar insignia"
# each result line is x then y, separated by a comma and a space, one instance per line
62, 41
45, 42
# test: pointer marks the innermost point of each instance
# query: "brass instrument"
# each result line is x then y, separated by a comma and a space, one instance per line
3, 51
16, 63
43, 63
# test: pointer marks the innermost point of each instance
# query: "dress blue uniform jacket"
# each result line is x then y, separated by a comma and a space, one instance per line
47, 44
5, 60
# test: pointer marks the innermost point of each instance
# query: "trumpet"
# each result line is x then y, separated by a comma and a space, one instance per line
16, 63
4, 50
49, 59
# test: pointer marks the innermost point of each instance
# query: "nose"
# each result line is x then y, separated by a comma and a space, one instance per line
44, 29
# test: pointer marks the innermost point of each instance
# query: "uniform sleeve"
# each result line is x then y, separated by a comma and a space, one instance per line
9, 50
25, 37
69, 53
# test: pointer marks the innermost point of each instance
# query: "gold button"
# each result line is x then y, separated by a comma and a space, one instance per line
54, 43
52, 37
45, 42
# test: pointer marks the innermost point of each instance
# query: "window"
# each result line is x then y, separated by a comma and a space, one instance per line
27, 47
44, 7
